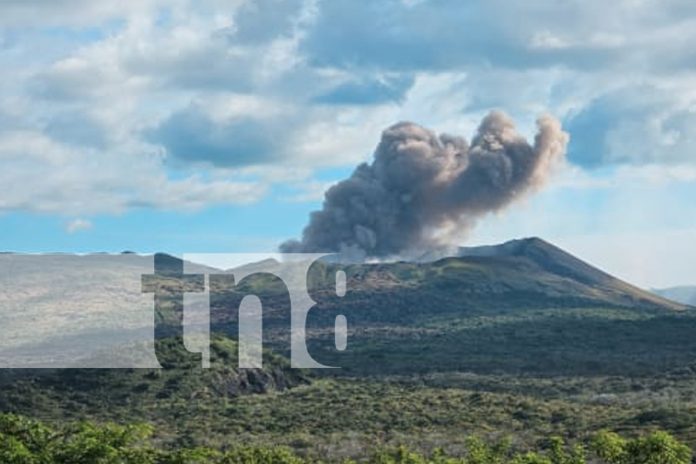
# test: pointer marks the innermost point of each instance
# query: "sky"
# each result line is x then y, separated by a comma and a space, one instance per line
215, 126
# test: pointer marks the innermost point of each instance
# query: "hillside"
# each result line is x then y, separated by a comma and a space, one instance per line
524, 306
519, 339
535, 267
519, 275
550, 259
86, 391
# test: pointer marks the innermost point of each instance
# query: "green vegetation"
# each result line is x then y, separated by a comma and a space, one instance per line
530, 374
24, 441
346, 418
570, 341
529, 346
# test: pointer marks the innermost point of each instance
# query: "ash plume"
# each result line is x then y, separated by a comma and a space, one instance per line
423, 191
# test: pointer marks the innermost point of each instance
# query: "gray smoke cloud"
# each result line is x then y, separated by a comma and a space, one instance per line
423, 191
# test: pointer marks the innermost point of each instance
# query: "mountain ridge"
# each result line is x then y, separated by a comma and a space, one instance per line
685, 294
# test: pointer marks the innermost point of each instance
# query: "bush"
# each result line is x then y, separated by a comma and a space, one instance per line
25, 441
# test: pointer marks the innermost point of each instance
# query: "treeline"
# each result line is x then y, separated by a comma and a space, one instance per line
26, 441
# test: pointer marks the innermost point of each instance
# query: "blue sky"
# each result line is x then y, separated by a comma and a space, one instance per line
215, 126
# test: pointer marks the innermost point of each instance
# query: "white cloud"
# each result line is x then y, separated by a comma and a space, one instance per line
545, 40
78, 225
42, 175
87, 84
653, 122
38, 13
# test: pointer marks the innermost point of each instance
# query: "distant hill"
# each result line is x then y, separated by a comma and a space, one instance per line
683, 294
519, 274
525, 306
